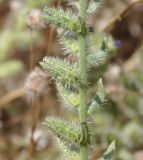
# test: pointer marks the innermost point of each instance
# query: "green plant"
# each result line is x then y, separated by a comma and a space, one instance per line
72, 79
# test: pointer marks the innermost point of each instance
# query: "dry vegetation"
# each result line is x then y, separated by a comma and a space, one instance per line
28, 94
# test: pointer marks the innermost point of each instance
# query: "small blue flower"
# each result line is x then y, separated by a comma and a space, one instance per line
117, 43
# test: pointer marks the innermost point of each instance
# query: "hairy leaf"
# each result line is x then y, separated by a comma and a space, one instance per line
65, 20
68, 97
66, 131
99, 98
98, 57
67, 153
108, 155
61, 70
93, 6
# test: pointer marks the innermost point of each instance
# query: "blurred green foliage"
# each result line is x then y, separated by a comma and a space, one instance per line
121, 116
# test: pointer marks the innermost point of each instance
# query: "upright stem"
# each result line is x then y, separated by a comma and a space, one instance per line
83, 75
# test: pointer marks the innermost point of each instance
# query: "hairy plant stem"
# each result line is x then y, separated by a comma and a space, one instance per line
83, 75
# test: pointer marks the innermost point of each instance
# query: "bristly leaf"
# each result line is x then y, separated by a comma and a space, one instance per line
66, 131
67, 153
65, 20
98, 56
68, 97
72, 3
93, 6
108, 155
99, 98
61, 70
70, 46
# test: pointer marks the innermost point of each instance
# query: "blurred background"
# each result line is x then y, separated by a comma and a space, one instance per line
28, 94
